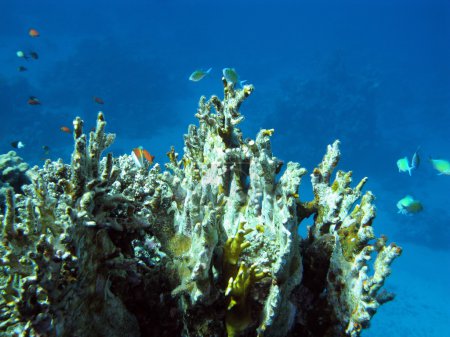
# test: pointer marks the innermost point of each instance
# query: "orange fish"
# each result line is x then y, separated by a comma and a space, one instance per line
33, 32
65, 129
33, 101
139, 154
98, 100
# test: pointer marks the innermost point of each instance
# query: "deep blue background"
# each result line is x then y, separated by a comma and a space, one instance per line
375, 74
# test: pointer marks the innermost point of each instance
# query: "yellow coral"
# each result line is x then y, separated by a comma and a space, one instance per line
238, 316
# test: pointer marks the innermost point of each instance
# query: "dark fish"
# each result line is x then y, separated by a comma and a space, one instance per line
98, 100
33, 101
22, 68
17, 144
46, 149
415, 162
34, 55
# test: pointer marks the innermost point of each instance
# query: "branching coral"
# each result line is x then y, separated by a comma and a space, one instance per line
206, 248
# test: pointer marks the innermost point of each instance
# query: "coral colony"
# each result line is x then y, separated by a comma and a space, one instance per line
207, 247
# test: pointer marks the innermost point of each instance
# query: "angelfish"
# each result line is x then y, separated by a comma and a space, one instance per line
197, 75
139, 154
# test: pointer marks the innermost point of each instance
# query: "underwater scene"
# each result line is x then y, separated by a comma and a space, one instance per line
225, 168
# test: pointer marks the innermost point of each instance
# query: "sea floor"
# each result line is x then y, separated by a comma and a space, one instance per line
421, 281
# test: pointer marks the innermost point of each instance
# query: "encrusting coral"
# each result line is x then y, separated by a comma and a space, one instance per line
208, 247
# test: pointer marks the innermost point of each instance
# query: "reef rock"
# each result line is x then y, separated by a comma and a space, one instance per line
208, 247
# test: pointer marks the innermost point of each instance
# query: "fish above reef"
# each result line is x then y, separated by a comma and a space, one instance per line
17, 144
21, 54
403, 165
441, 165
33, 32
65, 129
32, 100
415, 161
139, 154
34, 55
408, 205
46, 149
98, 100
197, 75
232, 76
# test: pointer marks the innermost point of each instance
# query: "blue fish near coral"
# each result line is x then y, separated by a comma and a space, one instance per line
197, 75
408, 205
232, 76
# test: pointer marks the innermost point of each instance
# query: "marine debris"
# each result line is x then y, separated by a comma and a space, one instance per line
207, 247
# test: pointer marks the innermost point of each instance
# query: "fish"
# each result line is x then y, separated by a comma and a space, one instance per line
232, 76
408, 205
403, 165
139, 154
65, 129
33, 101
34, 55
21, 54
98, 100
441, 165
33, 32
22, 68
197, 75
415, 161
46, 149
17, 144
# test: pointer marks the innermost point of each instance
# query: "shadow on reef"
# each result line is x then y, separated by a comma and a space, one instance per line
207, 247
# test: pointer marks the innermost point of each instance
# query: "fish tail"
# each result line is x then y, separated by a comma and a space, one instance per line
209, 70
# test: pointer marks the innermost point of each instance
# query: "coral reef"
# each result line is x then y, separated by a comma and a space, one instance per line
12, 174
207, 247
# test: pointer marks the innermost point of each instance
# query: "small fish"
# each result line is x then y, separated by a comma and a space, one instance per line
197, 75
65, 129
46, 149
408, 205
33, 101
17, 144
34, 55
442, 166
22, 68
139, 154
403, 165
232, 76
415, 161
21, 54
33, 32
98, 100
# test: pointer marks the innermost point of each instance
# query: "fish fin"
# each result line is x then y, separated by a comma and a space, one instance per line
241, 83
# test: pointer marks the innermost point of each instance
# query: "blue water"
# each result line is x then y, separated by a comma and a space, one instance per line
375, 74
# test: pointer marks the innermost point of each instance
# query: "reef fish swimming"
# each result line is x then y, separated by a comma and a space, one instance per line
408, 205
232, 76
197, 75
139, 154
403, 165
33, 101
33, 32
441, 165
98, 100
17, 144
